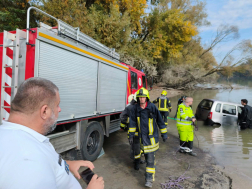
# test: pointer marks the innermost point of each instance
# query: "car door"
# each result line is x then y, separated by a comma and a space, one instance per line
229, 115
203, 109
239, 111
217, 113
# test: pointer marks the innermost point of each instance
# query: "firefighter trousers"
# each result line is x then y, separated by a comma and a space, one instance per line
135, 152
164, 116
150, 166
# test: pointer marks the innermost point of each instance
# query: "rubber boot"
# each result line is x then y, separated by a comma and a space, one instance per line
148, 184
150, 161
136, 164
190, 145
182, 144
148, 180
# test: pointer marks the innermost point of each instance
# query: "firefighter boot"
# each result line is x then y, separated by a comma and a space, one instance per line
136, 164
149, 180
150, 169
148, 184
190, 145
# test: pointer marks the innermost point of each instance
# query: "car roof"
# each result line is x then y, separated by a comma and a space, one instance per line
214, 100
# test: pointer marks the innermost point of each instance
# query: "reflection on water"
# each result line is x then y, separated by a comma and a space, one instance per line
241, 82
230, 146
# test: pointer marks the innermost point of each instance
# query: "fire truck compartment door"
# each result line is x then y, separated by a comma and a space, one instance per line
76, 77
112, 89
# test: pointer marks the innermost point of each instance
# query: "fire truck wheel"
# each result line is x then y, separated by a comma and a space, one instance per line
92, 142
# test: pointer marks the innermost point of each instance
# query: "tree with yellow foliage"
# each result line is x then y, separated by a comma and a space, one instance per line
165, 33
134, 8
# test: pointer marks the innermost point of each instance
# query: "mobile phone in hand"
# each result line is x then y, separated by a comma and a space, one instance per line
87, 175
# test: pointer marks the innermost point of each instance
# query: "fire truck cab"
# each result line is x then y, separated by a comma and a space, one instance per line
93, 84
136, 80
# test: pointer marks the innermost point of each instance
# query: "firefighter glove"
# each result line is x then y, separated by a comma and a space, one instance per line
131, 141
164, 136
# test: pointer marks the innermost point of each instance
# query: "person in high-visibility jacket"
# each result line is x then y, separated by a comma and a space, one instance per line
185, 119
145, 118
164, 106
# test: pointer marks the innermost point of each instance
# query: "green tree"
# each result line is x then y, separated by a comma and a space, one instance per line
13, 15
106, 25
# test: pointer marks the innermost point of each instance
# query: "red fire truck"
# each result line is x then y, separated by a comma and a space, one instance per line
93, 84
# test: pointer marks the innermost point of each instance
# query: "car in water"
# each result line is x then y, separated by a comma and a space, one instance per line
218, 112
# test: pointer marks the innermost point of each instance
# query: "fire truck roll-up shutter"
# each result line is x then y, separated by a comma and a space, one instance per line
75, 76
89, 83
112, 89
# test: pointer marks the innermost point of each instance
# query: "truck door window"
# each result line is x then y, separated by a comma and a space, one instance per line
144, 81
133, 80
229, 109
218, 108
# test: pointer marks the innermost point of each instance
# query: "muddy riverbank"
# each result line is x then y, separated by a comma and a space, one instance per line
116, 167
156, 92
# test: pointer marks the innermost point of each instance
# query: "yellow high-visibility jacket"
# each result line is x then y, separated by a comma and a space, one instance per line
184, 115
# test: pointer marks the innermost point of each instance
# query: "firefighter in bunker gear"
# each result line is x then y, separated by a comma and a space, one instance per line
124, 117
164, 106
145, 118
185, 118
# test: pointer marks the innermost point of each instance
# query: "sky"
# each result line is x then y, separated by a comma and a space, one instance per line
232, 12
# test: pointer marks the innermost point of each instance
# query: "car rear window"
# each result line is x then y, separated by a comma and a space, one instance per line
206, 104
229, 109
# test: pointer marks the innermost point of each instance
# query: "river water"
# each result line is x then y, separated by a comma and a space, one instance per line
230, 146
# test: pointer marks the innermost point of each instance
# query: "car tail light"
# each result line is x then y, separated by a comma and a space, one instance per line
210, 115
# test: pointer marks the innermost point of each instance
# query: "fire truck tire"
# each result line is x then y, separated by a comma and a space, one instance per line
93, 141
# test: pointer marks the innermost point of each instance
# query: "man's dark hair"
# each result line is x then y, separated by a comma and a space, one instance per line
244, 101
31, 93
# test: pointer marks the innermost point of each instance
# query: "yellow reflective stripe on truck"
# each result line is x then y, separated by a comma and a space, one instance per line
81, 50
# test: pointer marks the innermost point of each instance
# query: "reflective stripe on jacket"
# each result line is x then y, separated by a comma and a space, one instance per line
124, 116
145, 121
184, 115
